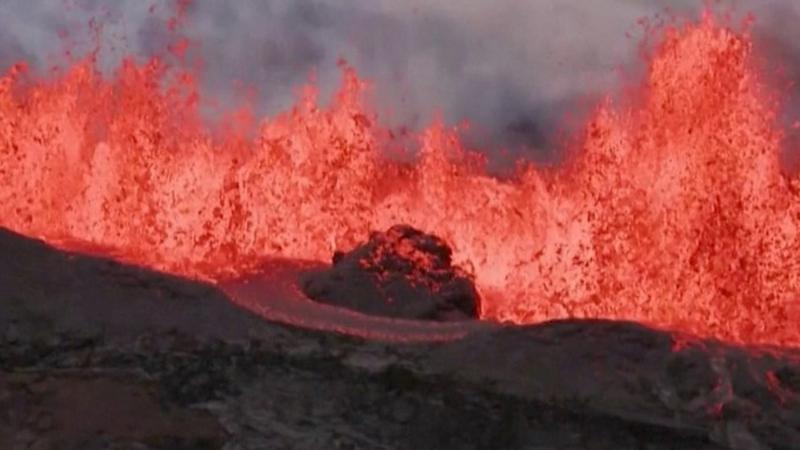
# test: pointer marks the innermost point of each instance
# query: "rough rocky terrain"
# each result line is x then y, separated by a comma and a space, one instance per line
96, 355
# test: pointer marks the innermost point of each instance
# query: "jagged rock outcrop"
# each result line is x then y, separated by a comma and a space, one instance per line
402, 273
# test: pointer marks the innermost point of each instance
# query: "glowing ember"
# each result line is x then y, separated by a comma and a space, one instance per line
674, 212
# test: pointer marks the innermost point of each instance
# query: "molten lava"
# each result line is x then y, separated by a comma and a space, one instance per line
673, 213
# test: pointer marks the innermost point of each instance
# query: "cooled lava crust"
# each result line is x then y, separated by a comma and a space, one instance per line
84, 341
401, 273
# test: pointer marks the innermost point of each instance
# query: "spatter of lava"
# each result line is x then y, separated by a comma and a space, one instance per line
673, 213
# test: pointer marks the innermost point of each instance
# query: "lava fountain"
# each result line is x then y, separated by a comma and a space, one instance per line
672, 211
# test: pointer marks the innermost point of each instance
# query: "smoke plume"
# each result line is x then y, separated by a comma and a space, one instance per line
513, 69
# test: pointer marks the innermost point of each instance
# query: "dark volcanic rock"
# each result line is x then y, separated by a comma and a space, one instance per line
401, 273
95, 354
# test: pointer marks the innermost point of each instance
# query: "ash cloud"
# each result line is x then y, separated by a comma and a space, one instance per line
513, 69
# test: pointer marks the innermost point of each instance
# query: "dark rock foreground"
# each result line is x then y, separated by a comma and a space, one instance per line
97, 355
402, 273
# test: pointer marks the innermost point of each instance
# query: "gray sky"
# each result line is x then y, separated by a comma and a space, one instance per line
512, 68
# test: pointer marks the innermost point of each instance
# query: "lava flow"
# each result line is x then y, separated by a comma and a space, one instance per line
674, 211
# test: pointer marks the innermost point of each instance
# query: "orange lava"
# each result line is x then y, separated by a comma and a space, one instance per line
673, 213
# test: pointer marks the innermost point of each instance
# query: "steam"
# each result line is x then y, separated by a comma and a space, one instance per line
512, 69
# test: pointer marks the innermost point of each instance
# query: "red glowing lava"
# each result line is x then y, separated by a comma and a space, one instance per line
674, 213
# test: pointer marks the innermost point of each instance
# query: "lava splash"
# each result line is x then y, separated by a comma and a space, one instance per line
673, 211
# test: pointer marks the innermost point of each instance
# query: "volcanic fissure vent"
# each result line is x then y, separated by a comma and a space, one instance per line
671, 208
402, 273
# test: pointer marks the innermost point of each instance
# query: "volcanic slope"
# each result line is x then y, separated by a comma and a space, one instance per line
94, 353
